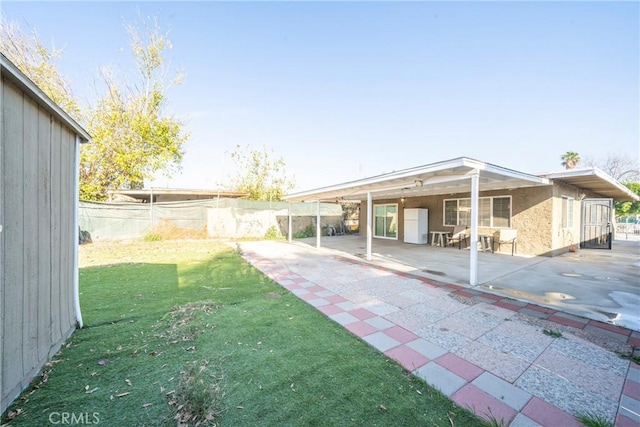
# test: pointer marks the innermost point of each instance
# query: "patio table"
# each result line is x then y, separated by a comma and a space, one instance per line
485, 242
439, 238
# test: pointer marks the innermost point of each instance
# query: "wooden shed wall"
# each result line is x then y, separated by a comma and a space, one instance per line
37, 195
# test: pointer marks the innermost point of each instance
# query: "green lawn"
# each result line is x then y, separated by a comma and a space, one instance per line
189, 329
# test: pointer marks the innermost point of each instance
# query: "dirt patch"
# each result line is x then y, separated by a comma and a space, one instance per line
463, 300
168, 231
182, 326
273, 295
109, 252
610, 344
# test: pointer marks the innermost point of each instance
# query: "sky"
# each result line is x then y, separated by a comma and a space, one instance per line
347, 90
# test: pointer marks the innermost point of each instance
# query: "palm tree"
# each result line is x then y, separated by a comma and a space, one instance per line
570, 159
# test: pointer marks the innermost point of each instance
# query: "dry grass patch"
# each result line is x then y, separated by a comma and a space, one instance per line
198, 399
181, 322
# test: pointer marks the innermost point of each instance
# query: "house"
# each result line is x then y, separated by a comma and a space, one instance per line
39, 154
551, 213
170, 195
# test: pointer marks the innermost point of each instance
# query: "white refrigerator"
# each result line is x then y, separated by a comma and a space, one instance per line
416, 226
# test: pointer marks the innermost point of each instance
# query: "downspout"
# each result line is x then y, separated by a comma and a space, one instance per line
76, 232
151, 211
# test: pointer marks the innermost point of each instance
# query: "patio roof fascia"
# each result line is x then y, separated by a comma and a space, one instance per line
595, 172
407, 177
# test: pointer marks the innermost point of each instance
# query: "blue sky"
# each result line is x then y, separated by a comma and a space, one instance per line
344, 90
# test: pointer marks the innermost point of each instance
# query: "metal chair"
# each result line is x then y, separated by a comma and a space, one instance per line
458, 236
506, 236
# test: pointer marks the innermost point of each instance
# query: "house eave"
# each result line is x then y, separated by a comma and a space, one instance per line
446, 177
595, 180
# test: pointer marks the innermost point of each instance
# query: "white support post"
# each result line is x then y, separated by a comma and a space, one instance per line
289, 228
318, 228
369, 216
473, 252
151, 210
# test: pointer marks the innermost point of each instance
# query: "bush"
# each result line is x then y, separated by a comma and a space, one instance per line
309, 231
272, 233
152, 237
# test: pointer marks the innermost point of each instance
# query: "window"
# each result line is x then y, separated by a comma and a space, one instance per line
567, 212
492, 212
484, 212
386, 221
501, 214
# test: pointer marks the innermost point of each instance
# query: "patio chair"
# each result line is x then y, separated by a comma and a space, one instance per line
507, 236
458, 236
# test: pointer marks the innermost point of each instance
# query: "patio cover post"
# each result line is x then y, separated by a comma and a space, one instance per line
318, 229
289, 234
473, 252
369, 216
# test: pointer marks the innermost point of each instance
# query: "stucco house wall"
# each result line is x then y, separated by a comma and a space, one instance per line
565, 238
536, 212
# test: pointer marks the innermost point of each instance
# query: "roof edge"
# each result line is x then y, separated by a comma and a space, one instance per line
21, 80
594, 171
429, 168
164, 190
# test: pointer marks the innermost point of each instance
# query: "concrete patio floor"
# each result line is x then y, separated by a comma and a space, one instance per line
517, 362
602, 285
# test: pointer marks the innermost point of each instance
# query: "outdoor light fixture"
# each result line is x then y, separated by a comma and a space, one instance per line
418, 183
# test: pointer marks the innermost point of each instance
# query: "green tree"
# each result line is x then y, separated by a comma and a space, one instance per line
259, 174
132, 137
38, 63
570, 159
629, 208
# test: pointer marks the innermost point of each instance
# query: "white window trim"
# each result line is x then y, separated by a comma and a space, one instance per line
373, 226
565, 225
457, 200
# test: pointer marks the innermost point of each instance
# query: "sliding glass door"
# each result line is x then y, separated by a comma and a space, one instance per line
386, 221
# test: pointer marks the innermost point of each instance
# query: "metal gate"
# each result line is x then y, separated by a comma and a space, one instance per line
597, 217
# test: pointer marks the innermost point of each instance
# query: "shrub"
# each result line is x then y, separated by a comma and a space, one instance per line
152, 237
272, 233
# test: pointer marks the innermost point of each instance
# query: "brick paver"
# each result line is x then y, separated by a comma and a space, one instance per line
468, 384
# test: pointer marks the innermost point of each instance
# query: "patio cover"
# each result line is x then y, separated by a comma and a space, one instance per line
595, 180
452, 176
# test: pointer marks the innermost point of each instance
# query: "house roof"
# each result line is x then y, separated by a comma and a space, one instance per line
145, 194
594, 179
452, 176
18, 78
446, 177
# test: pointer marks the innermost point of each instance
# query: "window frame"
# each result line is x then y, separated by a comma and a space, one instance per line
468, 200
374, 217
568, 212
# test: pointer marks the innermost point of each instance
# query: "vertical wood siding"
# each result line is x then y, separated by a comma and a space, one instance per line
37, 161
